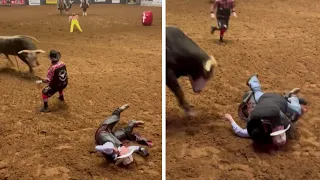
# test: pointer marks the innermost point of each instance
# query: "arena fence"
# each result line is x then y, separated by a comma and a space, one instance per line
43, 2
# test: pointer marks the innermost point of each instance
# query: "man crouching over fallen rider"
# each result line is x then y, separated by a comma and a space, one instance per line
273, 115
109, 141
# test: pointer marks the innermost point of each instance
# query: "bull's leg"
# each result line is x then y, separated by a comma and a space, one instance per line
7, 56
173, 85
23, 58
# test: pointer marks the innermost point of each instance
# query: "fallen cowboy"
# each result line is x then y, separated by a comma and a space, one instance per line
272, 116
185, 58
109, 141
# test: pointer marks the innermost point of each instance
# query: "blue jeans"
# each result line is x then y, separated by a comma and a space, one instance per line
256, 88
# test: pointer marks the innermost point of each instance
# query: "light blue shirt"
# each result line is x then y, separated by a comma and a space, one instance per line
239, 131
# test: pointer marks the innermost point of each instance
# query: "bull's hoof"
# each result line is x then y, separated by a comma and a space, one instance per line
191, 113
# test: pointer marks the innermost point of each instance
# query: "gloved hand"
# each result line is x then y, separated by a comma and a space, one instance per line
38, 81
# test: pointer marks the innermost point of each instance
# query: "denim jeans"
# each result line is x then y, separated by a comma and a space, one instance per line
256, 88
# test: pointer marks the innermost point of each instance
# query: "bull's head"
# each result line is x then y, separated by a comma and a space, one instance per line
31, 56
200, 80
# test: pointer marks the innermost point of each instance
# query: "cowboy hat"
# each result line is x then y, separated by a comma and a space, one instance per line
125, 156
279, 132
54, 55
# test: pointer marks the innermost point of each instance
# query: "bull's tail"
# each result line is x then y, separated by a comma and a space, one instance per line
31, 37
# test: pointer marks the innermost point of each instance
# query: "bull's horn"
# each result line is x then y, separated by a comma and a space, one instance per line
25, 51
39, 51
32, 51
31, 37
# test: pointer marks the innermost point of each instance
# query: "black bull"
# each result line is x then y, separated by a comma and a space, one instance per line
185, 58
22, 47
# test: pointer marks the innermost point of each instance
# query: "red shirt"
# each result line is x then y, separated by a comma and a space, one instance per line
226, 4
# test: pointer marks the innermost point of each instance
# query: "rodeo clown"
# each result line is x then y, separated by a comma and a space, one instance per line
57, 79
109, 141
223, 10
272, 116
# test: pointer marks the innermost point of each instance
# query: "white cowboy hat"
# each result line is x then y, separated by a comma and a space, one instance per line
125, 158
277, 133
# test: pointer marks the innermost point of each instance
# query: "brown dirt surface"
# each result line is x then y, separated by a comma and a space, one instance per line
114, 61
280, 41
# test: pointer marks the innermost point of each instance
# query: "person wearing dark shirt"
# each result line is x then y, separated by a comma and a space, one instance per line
222, 9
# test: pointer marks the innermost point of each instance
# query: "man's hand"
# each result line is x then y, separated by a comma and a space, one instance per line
213, 16
38, 81
229, 118
234, 14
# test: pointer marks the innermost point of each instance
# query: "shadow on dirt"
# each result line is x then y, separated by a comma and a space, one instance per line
225, 42
176, 121
19, 74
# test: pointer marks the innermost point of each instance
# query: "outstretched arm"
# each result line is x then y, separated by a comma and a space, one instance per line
236, 128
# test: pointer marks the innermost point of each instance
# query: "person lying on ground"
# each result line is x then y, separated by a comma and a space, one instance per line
271, 117
109, 140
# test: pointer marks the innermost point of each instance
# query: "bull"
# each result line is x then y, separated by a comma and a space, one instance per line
22, 47
185, 58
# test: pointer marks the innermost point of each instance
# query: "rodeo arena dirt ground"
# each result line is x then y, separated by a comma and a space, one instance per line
114, 61
280, 41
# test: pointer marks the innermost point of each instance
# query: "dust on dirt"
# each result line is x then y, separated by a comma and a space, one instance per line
114, 61
280, 41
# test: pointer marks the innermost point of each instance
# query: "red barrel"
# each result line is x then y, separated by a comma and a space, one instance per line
147, 18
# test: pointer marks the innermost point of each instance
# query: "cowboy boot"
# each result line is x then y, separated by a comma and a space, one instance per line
253, 77
134, 123
124, 107
295, 91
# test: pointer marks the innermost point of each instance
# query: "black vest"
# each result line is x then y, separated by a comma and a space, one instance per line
60, 78
268, 107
